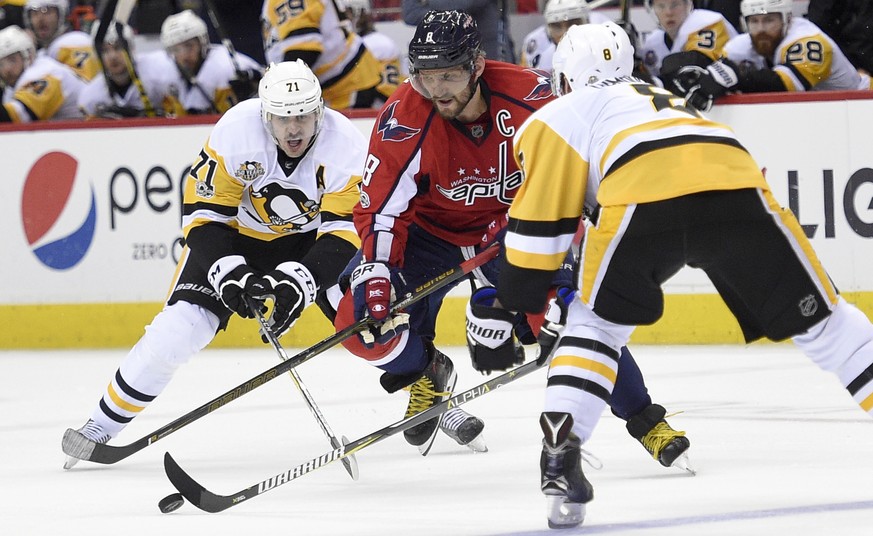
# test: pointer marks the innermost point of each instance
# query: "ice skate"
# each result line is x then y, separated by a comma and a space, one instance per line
563, 482
433, 387
465, 429
666, 445
79, 444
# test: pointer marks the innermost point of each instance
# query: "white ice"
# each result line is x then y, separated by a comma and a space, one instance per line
779, 447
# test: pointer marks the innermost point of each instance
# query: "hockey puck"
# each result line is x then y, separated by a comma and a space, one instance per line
171, 503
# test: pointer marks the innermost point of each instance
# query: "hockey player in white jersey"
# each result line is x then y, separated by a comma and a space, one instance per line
382, 47
118, 96
267, 211
780, 52
669, 188
37, 88
47, 19
539, 45
205, 78
683, 29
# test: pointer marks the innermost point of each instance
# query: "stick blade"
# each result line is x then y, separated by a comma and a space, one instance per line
196, 494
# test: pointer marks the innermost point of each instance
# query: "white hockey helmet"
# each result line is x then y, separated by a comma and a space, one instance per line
762, 7
63, 7
112, 33
13, 39
589, 53
183, 26
564, 10
290, 89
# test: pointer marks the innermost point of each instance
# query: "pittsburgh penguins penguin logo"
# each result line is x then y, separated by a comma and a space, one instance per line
284, 210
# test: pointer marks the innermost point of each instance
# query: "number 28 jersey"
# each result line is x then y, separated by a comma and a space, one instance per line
449, 178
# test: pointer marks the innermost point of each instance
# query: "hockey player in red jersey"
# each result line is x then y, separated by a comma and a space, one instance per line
438, 178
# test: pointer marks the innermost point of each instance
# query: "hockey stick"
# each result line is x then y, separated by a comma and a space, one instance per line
211, 502
350, 463
85, 449
225, 40
119, 11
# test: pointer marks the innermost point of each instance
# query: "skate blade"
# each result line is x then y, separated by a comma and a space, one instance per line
564, 515
478, 444
76, 447
683, 463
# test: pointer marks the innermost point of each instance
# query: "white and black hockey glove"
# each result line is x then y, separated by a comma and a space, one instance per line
232, 279
702, 86
490, 337
556, 317
292, 289
374, 288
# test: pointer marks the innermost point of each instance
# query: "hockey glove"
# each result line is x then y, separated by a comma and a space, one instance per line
374, 288
490, 337
705, 85
556, 317
292, 289
232, 278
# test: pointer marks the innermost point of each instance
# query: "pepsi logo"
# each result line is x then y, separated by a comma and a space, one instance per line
58, 213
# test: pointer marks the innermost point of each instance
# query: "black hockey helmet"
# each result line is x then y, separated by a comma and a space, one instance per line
444, 39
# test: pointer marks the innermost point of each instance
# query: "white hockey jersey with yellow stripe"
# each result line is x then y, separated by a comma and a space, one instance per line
806, 60
344, 64
75, 49
619, 142
237, 179
704, 31
45, 90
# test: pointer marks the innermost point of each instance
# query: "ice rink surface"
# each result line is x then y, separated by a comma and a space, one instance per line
779, 446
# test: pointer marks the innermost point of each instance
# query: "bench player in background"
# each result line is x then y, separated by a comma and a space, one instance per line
313, 31
202, 78
267, 211
118, 96
47, 19
36, 87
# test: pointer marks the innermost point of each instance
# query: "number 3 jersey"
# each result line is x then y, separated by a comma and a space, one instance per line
239, 180
704, 31
449, 178
805, 60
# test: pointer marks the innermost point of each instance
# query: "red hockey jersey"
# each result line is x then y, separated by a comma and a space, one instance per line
452, 179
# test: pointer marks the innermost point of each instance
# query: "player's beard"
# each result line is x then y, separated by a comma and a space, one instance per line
765, 44
459, 101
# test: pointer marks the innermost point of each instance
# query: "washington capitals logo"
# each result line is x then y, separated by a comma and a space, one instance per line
391, 129
543, 89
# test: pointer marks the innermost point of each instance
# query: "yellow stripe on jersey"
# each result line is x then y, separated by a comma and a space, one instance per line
650, 127
213, 187
584, 363
13, 113
538, 201
295, 16
120, 402
43, 97
790, 222
867, 403
598, 246
709, 40
684, 168
349, 236
81, 60
811, 57
343, 202
535, 200
339, 59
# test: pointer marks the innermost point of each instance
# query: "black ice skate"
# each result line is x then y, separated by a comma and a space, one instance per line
563, 482
668, 446
465, 429
434, 386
